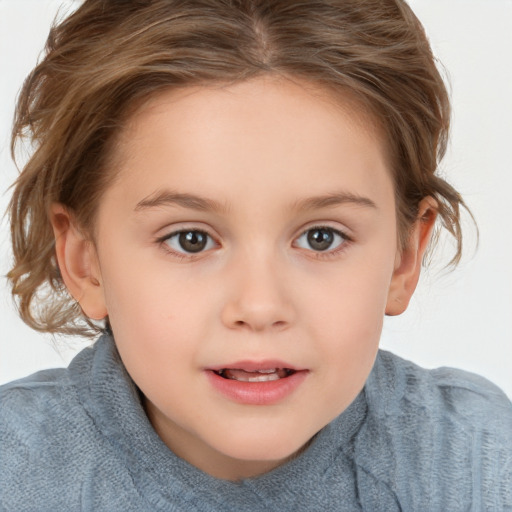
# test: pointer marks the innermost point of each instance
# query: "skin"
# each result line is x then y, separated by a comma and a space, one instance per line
259, 290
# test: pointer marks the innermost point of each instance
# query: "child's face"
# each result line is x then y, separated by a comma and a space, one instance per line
287, 256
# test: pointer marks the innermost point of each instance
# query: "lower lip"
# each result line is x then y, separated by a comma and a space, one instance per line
257, 393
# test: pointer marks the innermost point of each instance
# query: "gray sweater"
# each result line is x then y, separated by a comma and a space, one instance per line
413, 440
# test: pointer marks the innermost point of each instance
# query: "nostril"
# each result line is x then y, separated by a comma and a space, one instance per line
256, 315
280, 324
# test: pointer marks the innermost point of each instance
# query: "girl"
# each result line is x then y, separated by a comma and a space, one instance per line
234, 194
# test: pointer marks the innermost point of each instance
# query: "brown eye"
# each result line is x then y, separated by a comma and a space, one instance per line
321, 239
191, 241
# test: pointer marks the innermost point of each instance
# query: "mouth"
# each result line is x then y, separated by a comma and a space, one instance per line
263, 375
257, 383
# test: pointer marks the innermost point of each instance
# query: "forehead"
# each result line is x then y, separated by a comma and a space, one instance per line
291, 134
275, 97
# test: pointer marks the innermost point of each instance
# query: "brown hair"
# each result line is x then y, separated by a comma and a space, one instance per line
109, 55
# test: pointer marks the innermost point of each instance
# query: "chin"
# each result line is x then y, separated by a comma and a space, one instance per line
263, 448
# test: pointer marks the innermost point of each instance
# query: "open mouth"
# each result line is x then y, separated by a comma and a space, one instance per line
256, 382
267, 375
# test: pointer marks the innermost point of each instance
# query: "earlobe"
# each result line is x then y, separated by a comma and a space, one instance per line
78, 263
408, 262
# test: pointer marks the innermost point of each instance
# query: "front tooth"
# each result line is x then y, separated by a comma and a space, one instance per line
256, 376
264, 378
273, 370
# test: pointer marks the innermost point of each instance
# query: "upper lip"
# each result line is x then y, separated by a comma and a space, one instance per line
253, 366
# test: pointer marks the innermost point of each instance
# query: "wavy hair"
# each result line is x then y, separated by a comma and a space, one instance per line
109, 55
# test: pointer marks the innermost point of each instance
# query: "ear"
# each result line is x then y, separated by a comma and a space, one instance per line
78, 263
408, 261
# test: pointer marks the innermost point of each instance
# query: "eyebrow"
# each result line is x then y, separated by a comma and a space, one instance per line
333, 199
194, 202
190, 201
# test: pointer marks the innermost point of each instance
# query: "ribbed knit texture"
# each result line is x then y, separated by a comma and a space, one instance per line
413, 440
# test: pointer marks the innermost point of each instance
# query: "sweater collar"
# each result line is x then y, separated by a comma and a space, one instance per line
113, 401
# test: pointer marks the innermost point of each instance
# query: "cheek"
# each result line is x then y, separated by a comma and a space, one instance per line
157, 314
346, 315
135, 284
351, 296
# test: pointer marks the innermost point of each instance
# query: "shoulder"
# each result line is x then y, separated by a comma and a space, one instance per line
463, 397
38, 414
41, 418
47, 398
46, 406
449, 428
25, 402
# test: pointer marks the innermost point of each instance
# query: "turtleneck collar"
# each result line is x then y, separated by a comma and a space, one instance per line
113, 402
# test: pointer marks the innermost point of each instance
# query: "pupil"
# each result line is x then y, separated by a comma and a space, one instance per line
320, 239
192, 241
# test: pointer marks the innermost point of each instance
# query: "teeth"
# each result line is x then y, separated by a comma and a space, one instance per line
266, 375
264, 378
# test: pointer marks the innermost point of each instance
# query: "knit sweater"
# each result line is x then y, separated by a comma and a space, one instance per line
413, 440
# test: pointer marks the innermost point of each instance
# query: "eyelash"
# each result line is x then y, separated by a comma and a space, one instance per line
327, 254
163, 242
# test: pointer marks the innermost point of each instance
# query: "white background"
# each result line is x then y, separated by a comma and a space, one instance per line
461, 319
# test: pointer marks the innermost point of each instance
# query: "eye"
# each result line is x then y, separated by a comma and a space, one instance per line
321, 238
189, 241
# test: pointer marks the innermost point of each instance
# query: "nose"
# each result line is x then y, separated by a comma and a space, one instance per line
259, 298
